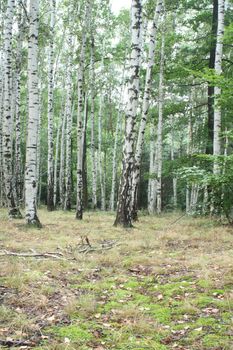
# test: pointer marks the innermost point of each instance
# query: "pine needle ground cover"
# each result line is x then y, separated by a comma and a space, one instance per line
159, 286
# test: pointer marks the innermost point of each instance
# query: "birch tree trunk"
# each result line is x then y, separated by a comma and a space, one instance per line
145, 108
33, 103
174, 179
50, 171
1, 115
217, 89
38, 151
55, 185
62, 161
18, 165
68, 182
124, 206
79, 202
100, 156
189, 152
160, 126
84, 146
93, 149
8, 116
152, 183
114, 158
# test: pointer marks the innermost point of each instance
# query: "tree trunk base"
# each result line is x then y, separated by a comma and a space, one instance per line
79, 215
34, 222
15, 214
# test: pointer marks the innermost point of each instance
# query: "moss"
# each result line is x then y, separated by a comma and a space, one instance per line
132, 283
73, 332
203, 301
204, 283
226, 317
161, 314
179, 308
171, 289
111, 305
213, 341
125, 339
141, 299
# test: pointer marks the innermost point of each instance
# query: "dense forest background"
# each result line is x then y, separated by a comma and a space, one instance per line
66, 91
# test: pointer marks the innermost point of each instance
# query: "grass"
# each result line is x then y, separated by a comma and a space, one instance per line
164, 287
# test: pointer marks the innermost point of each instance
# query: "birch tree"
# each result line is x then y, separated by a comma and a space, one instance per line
152, 183
33, 116
79, 202
160, 124
50, 178
124, 206
118, 127
18, 156
217, 89
8, 115
68, 111
145, 108
93, 147
62, 161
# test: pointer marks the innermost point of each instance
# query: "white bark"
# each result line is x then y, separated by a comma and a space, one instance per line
217, 89
145, 107
68, 181
33, 103
8, 114
114, 158
93, 157
62, 161
100, 156
1, 116
189, 151
50, 171
18, 166
38, 153
55, 185
80, 136
174, 179
160, 127
152, 183
124, 207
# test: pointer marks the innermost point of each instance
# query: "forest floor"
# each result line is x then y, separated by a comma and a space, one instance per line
158, 286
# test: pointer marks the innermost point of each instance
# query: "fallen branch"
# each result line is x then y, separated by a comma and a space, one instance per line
33, 255
10, 342
84, 247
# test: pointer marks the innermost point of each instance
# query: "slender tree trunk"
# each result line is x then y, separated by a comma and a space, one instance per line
79, 203
217, 89
18, 165
1, 112
8, 116
85, 189
50, 171
210, 139
152, 183
160, 127
174, 179
124, 206
145, 108
33, 102
93, 149
62, 162
55, 188
189, 152
68, 184
100, 156
114, 158
38, 151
